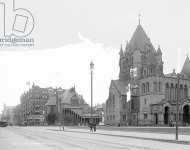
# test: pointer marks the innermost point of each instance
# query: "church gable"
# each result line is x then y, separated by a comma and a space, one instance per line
118, 86
186, 68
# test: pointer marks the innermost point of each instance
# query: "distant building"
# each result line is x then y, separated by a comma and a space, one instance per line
17, 117
99, 109
153, 93
70, 107
8, 114
33, 105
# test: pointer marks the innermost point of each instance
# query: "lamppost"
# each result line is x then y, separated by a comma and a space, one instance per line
59, 110
91, 69
177, 106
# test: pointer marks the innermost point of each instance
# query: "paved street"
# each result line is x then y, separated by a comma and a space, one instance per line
50, 138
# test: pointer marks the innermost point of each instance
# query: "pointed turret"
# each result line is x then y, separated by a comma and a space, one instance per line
186, 67
121, 52
126, 48
159, 52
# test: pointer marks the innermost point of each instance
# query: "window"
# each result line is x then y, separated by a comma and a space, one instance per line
144, 73
185, 91
145, 101
143, 88
155, 86
134, 117
181, 91
151, 71
124, 117
113, 99
159, 87
145, 116
167, 91
132, 60
147, 87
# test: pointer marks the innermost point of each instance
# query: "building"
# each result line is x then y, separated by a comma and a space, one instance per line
71, 108
33, 105
99, 109
53, 105
153, 95
17, 118
8, 114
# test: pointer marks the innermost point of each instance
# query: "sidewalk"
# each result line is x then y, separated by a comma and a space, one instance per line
183, 139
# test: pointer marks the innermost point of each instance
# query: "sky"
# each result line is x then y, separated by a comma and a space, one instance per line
69, 34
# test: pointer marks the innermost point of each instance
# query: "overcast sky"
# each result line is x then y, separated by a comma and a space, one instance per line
70, 33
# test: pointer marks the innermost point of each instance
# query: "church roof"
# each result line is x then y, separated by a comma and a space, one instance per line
67, 95
120, 86
186, 67
139, 39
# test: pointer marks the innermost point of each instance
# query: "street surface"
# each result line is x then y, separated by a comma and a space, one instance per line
51, 138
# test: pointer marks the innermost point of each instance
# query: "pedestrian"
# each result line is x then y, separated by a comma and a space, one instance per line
94, 127
91, 130
63, 127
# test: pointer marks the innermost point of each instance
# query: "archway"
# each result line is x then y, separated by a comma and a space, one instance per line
186, 114
166, 115
156, 118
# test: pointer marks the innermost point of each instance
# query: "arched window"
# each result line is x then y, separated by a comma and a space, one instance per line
155, 86
167, 91
185, 91
113, 99
143, 88
181, 91
172, 92
176, 91
147, 87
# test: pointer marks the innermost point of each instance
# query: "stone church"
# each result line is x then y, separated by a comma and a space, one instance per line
153, 95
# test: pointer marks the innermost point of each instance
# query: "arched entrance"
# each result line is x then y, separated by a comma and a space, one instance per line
186, 114
166, 115
156, 118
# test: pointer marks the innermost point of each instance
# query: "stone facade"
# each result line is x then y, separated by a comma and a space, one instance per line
153, 93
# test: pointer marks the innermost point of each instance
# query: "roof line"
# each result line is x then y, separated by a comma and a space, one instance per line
116, 88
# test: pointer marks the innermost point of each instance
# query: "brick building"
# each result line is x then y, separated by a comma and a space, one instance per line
33, 105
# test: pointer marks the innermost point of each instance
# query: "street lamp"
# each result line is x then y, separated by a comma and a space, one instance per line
59, 110
177, 106
91, 69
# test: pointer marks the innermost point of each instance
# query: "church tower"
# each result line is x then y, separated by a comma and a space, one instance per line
141, 55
